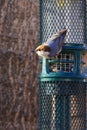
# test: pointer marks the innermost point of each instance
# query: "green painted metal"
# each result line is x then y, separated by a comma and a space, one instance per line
60, 91
62, 83
62, 105
77, 50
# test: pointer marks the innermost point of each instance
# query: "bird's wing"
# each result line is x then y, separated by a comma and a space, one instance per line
54, 36
61, 43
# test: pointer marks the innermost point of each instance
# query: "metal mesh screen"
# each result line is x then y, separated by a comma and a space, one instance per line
62, 105
63, 62
57, 14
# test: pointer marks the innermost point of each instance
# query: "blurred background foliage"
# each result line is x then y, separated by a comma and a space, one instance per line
19, 67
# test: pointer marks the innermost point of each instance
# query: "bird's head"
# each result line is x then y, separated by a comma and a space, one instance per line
43, 50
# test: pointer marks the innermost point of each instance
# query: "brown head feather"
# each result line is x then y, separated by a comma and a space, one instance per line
43, 47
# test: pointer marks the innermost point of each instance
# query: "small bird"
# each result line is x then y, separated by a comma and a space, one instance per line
52, 46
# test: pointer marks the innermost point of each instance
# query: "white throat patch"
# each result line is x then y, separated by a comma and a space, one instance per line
43, 53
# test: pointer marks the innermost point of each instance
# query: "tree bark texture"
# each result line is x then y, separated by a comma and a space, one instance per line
19, 67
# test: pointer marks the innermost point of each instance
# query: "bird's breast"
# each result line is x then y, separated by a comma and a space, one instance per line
43, 53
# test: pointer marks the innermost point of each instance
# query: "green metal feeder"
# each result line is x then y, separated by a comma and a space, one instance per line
62, 83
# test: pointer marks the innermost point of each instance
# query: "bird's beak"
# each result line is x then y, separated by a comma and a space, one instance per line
33, 51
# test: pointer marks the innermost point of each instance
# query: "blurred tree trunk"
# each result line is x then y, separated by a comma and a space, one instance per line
19, 27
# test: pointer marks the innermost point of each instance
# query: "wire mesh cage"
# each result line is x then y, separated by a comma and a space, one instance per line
58, 14
63, 62
62, 105
62, 84
70, 62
